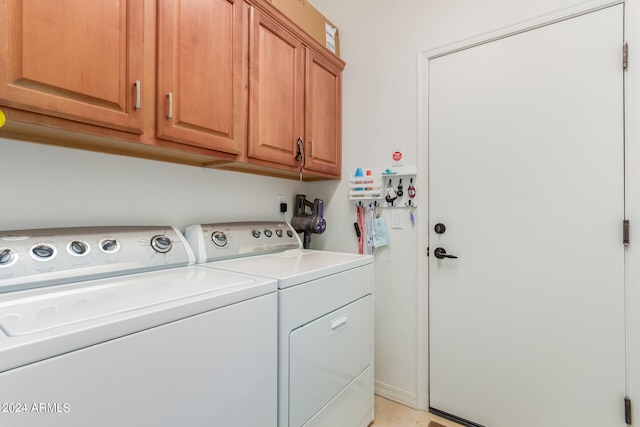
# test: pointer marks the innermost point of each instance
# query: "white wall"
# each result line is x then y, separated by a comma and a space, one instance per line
380, 42
46, 186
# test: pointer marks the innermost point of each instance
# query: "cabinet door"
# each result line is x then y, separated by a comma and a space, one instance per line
74, 59
276, 106
323, 115
200, 73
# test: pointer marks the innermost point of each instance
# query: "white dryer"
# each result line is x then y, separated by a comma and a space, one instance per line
325, 318
114, 326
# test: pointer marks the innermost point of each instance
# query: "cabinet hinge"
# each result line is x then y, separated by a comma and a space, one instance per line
627, 411
625, 56
625, 232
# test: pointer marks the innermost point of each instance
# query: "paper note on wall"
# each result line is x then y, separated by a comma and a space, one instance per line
331, 37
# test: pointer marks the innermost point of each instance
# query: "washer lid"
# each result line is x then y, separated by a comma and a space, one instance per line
295, 266
45, 309
40, 323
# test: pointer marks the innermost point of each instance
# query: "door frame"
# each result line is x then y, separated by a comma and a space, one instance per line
423, 60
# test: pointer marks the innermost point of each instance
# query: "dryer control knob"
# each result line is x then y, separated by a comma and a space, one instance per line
256, 233
161, 243
219, 239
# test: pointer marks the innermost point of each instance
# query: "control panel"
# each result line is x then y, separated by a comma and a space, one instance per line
32, 258
214, 242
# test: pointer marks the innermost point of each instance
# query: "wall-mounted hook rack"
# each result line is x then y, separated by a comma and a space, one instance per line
374, 187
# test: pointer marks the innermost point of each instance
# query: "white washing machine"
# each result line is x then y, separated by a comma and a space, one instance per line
116, 327
325, 318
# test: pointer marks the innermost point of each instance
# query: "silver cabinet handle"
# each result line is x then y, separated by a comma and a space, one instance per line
170, 115
312, 148
138, 88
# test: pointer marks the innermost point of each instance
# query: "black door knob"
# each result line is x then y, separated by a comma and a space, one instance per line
441, 253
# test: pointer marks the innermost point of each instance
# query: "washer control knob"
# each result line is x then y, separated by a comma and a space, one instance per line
78, 248
43, 251
161, 243
219, 239
268, 233
109, 245
256, 233
289, 233
279, 232
6, 256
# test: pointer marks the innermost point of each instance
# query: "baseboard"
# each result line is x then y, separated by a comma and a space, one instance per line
396, 394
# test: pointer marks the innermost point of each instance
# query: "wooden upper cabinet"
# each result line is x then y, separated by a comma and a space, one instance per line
323, 115
222, 83
75, 59
295, 94
201, 77
276, 92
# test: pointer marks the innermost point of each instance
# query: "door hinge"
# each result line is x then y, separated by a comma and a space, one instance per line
625, 56
627, 411
625, 232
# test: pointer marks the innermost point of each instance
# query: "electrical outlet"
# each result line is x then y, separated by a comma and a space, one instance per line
281, 199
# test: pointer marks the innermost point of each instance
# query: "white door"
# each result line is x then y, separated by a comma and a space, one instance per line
526, 172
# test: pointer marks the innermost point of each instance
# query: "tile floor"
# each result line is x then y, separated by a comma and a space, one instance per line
392, 414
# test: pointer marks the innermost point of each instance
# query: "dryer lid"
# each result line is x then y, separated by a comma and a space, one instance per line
295, 266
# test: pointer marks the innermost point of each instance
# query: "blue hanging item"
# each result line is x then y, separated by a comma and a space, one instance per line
358, 173
380, 232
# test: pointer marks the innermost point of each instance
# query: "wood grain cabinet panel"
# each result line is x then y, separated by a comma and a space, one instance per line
276, 107
74, 59
323, 115
200, 73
